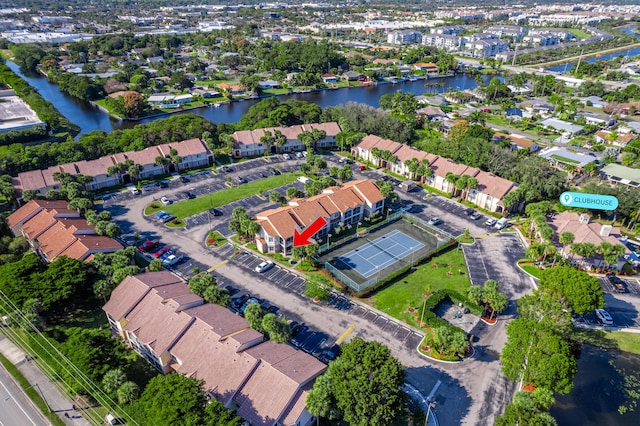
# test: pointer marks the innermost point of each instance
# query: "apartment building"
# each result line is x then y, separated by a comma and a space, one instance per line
53, 231
404, 37
443, 41
266, 383
488, 194
250, 143
346, 205
193, 153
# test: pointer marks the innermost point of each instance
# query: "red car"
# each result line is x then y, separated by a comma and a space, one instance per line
362, 168
148, 245
160, 252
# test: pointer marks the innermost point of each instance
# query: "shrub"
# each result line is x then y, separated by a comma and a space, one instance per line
315, 289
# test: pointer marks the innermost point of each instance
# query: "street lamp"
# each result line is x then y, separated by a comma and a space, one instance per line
328, 240
39, 390
426, 419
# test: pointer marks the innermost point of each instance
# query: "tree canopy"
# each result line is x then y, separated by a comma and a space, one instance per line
578, 290
362, 386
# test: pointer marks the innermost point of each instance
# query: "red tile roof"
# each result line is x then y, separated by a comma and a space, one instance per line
492, 185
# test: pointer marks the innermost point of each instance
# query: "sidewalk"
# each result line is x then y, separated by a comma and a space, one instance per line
57, 401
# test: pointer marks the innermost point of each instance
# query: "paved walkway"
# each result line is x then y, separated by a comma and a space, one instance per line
57, 401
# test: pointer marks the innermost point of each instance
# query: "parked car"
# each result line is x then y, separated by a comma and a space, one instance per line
304, 154
275, 172
469, 212
135, 191
434, 221
247, 303
502, 223
161, 214
265, 266
165, 201
232, 290
190, 195
294, 326
299, 155
241, 179
475, 216
172, 260
604, 317
490, 222
226, 169
168, 218
362, 168
148, 245
215, 212
286, 156
166, 254
160, 252
163, 184
184, 179
238, 301
303, 179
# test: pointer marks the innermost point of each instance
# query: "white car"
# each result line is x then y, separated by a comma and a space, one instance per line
286, 156
303, 179
265, 266
135, 191
299, 155
604, 317
490, 222
171, 260
165, 201
434, 221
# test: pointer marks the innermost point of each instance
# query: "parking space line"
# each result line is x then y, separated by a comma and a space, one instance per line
213, 268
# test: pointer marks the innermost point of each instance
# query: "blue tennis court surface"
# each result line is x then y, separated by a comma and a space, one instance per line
380, 253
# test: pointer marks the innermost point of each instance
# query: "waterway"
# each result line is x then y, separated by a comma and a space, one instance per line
90, 118
598, 390
630, 53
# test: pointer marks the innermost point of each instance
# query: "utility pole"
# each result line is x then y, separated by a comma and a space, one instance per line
515, 52
579, 60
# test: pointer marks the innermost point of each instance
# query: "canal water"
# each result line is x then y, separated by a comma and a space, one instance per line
89, 117
598, 390
630, 53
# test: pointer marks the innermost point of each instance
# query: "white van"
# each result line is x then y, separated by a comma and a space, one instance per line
502, 223
303, 179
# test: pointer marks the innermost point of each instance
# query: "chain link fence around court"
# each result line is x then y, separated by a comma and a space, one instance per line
430, 236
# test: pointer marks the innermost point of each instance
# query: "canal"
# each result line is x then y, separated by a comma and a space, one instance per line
629, 53
90, 118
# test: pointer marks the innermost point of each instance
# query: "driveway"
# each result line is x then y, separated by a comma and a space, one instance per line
470, 392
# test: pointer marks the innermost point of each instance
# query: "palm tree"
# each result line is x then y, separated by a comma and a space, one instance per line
175, 158
588, 251
451, 178
498, 303
412, 166
128, 392
376, 153
112, 380
477, 117
162, 161
566, 239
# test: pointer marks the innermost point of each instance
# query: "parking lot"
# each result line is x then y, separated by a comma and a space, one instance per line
630, 286
620, 319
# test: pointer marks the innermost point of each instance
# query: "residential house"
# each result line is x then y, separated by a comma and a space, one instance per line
432, 113
269, 84
620, 139
97, 169
585, 231
329, 78
562, 156
618, 174
542, 109
598, 119
516, 142
595, 101
352, 76
490, 191
513, 113
54, 231
428, 67
266, 383
564, 127
346, 205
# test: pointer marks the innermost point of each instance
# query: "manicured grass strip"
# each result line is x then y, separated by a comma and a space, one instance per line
188, 208
532, 270
216, 239
32, 393
408, 292
627, 342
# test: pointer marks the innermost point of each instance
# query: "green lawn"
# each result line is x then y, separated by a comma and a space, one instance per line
408, 291
279, 91
532, 270
579, 33
216, 239
628, 342
188, 208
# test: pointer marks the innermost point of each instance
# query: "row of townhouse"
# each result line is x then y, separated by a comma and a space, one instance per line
192, 153
53, 231
265, 383
339, 206
488, 195
248, 143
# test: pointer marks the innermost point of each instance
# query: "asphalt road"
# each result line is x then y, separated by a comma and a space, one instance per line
16, 409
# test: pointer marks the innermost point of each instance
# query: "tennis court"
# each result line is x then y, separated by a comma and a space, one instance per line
380, 253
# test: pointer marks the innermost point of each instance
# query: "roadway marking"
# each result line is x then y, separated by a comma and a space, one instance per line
346, 334
213, 268
10, 397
